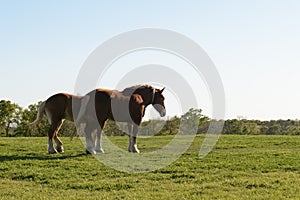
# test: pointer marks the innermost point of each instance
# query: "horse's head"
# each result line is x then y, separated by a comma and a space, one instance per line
158, 102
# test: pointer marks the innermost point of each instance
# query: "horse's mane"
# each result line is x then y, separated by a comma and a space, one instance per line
130, 90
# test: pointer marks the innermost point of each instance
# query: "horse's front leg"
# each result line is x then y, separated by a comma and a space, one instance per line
90, 143
98, 144
130, 128
134, 136
133, 131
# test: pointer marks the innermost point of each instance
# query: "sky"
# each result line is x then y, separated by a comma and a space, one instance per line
254, 45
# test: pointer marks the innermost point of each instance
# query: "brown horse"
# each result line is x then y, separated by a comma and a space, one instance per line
126, 106
57, 108
95, 108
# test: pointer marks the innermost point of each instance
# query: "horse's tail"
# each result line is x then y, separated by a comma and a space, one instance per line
39, 115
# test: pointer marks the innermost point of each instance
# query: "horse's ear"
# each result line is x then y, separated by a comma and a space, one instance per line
160, 91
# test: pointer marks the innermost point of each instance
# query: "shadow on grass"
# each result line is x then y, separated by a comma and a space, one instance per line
39, 157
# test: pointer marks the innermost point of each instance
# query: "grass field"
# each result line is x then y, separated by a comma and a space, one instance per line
239, 167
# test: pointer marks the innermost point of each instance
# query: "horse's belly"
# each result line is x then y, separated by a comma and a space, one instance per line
120, 110
69, 116
120, 117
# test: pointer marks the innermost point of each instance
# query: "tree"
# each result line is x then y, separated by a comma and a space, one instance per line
172, 126
192, 120
154, 127
274, 129
264, 130
232, 126
250, 128
241, 126
9, 116
292, 130
28, 115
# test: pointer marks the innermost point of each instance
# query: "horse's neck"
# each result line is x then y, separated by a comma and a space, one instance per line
147, 96
146, 93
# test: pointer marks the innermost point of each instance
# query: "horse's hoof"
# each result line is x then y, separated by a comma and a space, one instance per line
60, 149
136, 151
133, 149
92, 152
100, 150
52, 152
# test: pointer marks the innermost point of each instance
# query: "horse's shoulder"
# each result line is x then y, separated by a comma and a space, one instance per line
137, 98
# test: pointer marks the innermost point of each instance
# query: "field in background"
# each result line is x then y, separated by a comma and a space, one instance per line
239, 167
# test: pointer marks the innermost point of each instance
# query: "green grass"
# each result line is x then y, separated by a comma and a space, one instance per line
239, 167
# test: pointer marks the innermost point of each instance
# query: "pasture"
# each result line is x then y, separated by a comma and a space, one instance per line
239, 167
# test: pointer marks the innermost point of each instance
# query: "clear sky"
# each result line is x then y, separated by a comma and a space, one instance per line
255, 46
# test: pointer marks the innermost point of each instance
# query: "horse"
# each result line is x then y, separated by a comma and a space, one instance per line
57, 108
95, 108
122, 106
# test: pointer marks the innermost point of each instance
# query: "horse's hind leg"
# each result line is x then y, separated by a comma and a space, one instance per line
59, 144
52, 134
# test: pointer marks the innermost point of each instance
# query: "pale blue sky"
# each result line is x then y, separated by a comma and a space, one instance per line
255, 46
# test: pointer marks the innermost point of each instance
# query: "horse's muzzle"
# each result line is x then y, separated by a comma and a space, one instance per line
162, 112
160, 109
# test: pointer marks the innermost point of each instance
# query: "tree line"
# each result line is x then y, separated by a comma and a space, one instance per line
14, 121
